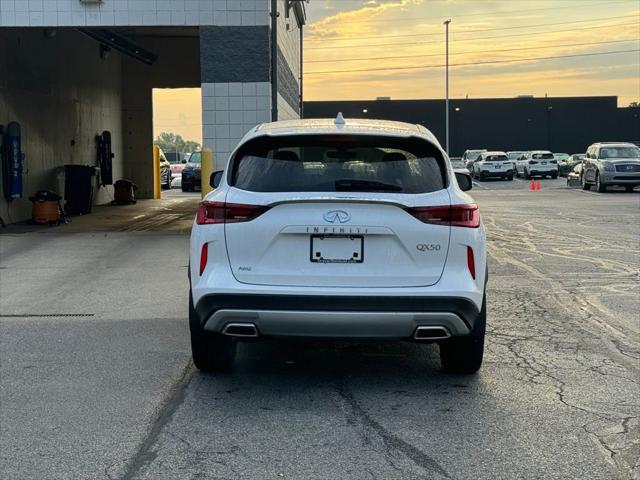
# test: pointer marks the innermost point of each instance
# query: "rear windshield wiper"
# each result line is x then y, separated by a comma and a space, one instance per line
347, 185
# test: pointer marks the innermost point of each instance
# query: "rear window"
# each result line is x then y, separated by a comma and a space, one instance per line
515, 155
496, 158
338, 163
543, 156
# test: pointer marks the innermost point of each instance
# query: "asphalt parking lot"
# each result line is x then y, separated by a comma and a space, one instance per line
96, 379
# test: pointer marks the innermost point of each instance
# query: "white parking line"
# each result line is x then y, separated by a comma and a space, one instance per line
480, 185
587, 191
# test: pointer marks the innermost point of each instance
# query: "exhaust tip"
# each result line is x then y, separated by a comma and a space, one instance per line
240, 330
431, 333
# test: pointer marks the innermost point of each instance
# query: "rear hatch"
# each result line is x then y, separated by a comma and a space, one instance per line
497, 163
338, 212
543, 161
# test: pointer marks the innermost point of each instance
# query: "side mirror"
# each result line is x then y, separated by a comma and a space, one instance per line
464, 181
184, 160
215, 179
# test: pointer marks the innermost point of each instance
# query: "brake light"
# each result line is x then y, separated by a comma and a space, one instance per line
554, 161
467, 215
471, 262
204, 256
532, 162
221, 212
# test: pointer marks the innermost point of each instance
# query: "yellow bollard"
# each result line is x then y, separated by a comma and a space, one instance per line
206, 169
156, 172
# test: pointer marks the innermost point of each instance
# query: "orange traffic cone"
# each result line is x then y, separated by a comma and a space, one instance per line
533, 185
538, 186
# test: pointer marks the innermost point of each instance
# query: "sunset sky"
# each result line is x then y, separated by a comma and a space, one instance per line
399, 47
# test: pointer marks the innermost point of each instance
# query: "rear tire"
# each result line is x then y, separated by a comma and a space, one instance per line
211, 352
585, 185
525, 174
464, 354
510, 178
554, 176
629, 188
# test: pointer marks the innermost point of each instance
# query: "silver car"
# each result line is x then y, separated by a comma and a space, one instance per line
608, 164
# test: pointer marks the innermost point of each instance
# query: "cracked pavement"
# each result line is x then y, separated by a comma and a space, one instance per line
115, 395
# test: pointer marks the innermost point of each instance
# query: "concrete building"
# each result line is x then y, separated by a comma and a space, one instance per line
70, 69
559, 124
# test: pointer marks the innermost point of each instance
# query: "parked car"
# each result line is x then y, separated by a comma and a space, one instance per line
191, 173
567, 165
279, 249
165, 171
470, 156
574, 177
513, 158
457, 163
608, 164
515, 155
560, 157
493, 164
537, 163
178, 164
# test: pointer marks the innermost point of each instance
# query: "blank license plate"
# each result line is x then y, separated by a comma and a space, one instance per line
337, 248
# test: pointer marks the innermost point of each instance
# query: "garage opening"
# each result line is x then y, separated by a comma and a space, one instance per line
177, 131
67, 87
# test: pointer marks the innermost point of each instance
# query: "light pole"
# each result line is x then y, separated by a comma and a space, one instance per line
446, 103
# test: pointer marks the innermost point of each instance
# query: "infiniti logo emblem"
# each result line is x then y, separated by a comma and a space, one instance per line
337, 216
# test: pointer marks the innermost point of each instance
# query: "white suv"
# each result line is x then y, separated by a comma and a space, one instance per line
537, 163
493, 164
338, 229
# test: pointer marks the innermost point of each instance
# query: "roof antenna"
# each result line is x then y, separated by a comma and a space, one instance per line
339, 119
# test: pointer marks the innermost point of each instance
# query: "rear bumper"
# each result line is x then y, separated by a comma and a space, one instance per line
493, 173
536, 172
337, 317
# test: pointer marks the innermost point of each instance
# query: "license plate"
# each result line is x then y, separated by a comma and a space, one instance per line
337, 248
497, 167
543, 163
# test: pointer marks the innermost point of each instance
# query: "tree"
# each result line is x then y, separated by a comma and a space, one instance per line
170, 142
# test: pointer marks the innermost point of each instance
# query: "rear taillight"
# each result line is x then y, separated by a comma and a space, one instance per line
467, 215
532, 162
554, 161
471, 262
220, 212
204, 256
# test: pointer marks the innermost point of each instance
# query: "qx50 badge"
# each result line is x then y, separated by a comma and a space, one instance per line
428, 247
337, 216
